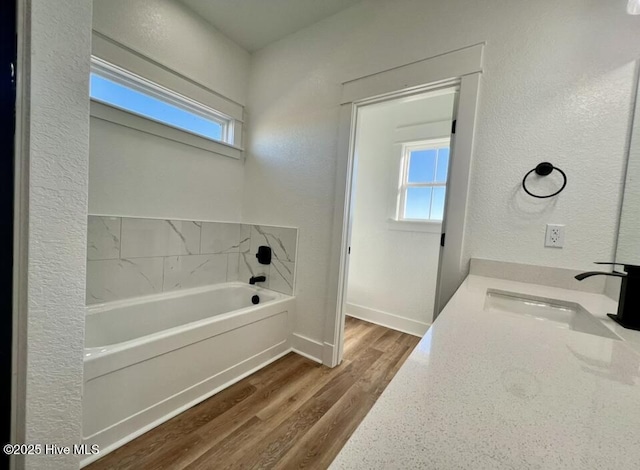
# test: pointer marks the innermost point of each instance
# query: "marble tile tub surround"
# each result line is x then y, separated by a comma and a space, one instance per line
541, 275
128, 257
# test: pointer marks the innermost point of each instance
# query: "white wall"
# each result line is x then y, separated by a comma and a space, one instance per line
628, 250
170, 33
557, 86
57, 165
138, 174
392, 273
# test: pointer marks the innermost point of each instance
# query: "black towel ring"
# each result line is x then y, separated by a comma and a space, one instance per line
544, 169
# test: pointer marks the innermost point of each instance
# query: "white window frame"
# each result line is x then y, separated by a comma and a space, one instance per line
109, 112
404, 184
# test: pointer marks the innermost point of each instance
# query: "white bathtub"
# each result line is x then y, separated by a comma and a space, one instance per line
150, 358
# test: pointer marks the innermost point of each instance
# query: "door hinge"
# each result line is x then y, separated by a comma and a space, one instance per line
442, 235
349, 250
453, 126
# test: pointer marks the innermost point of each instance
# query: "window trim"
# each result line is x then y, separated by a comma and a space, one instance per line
112, 113
129, 120
404, 184
428, 226
135, 61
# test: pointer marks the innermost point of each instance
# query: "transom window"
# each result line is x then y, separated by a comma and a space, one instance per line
124, 90
423, 181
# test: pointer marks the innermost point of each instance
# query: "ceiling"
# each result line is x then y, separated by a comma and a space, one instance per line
253, 24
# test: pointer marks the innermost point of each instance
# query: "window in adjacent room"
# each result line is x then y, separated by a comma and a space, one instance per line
423, 181
119, 88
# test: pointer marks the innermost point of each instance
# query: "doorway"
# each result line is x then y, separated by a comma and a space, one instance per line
8, 53
463, 68
398, 196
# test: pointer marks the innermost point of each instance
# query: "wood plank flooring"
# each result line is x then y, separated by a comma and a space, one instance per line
294, 413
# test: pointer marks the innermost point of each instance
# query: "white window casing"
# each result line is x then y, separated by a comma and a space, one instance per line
144, 76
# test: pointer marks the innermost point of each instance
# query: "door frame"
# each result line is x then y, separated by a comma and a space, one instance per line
20, 221
8, 119
462, 67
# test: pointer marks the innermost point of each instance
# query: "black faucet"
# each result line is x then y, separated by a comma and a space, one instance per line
255, 279
629, 304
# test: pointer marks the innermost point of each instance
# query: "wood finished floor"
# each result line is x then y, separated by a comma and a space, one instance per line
294, 413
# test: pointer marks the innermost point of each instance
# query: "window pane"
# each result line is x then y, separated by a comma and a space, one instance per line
120, 96
443, 164
422, 166
437, 205
417, 203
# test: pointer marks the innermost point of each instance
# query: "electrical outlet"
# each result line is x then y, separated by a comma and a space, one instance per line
555, 236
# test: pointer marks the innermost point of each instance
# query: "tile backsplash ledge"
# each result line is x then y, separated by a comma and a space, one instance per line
129, 257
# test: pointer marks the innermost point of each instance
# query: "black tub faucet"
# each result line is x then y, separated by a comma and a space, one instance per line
629, 304
255, 279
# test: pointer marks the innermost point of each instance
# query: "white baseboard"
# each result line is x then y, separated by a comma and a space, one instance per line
307, 347
405, 325
328, 354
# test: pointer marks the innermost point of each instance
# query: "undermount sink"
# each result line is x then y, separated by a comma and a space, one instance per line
561, 314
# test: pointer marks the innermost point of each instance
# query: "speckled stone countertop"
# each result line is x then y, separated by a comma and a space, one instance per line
486, 390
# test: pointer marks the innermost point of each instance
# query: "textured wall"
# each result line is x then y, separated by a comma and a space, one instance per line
141, 175
393, 271
557, 86
58, 166
170, 33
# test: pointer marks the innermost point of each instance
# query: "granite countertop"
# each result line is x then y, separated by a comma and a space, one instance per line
488, 390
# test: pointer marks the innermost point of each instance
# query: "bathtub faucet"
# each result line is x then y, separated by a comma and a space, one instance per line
255, 279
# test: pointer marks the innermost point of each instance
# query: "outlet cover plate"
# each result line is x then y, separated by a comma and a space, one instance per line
554, 237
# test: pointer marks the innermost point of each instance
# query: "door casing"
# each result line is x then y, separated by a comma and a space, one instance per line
462, 68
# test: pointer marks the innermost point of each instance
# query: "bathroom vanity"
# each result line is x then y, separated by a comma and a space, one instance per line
510, 375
